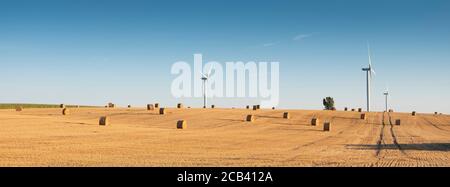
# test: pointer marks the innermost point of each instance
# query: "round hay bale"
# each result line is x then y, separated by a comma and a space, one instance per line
255, 107
435, 113
129, 106
390, 110
359, 109
247, 107
353, 109
212, 106
345, 109
179, 105
156, 105
104, 120
286, 115
314, 121
363, 116
273, 108
250, 118
150, 107
397, 122
413, 113
326, 126
181, 124
258, 106
162, 111
19, 109
62, 106
65, 111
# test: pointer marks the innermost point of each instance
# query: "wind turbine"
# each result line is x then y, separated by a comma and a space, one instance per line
369, 70
386, 94
205, 78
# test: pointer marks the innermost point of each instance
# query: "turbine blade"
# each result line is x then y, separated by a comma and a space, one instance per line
370, 60
210, 68
368, 53
203, 75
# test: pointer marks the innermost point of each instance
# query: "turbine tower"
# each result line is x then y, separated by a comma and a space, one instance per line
386, 94
369, 70
205, 78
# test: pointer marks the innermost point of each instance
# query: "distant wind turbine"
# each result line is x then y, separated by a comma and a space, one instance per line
386, 95
369, 70
205, 78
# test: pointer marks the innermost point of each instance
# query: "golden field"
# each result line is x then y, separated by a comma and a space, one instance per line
220, 137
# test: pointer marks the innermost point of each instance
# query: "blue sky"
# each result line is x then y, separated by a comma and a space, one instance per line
94, 52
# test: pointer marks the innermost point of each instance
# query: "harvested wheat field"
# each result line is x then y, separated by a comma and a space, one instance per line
220, 137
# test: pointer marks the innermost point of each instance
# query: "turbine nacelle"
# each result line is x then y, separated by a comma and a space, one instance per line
204, 77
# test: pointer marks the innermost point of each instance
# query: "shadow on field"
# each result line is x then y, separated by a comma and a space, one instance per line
78, 123
414, 147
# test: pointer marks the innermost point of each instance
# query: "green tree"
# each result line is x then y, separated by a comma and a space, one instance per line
328, 103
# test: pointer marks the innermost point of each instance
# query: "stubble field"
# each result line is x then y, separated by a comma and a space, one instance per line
220, 137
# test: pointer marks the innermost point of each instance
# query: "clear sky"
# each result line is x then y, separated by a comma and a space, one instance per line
93, 52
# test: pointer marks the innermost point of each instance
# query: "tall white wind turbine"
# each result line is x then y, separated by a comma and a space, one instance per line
386, 95
369, 71
205, 78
